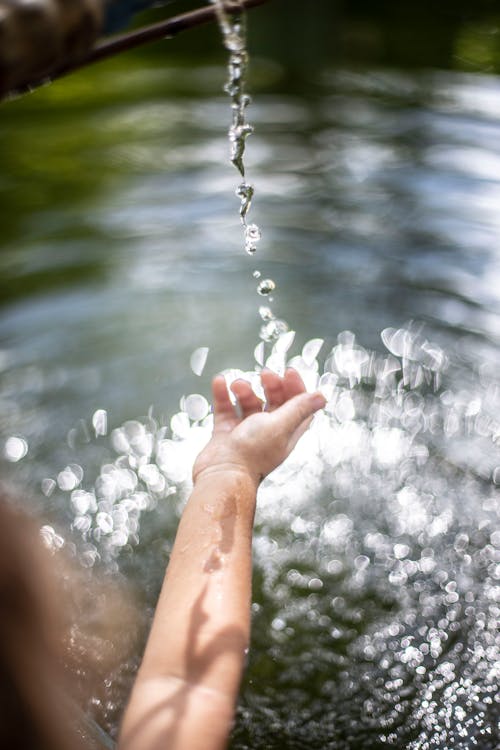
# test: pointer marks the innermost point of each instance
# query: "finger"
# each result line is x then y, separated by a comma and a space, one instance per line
248, 401
273, 388
293, 413
292, 384
223, 408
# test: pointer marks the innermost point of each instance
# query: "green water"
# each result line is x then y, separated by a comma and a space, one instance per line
376, 162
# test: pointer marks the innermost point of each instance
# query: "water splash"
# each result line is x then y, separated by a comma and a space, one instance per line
234, 36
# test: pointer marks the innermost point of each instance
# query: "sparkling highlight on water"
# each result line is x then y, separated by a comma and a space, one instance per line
15, 449
378, 535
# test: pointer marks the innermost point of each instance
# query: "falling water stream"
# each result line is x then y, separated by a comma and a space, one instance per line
377, 543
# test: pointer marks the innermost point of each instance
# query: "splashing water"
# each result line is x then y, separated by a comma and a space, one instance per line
377, 547
234, 36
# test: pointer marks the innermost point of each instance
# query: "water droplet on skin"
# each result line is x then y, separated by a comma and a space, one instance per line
265, 287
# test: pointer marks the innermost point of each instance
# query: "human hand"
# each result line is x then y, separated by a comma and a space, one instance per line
258, 441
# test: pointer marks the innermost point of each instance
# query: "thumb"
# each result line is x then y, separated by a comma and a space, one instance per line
290, 416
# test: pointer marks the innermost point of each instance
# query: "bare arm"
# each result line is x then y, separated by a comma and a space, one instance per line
187, 685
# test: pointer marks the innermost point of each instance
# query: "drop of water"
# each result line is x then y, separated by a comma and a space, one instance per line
48, 486
70, 477
196, 407
259, 353
245, 193
104, 522
265, 287
311, 350
15, 449
198, 359
252, 232
252, 236
266, 313
100, 422
256, 274
179, 424
273, 329
50, 538
285, 340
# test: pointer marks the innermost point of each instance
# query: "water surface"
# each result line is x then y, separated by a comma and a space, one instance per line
376, 570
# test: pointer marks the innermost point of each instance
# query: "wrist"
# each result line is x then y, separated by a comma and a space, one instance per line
228, 475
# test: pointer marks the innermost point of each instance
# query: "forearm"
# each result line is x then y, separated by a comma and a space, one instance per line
196, 648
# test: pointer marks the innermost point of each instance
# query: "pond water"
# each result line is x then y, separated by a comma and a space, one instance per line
377, 544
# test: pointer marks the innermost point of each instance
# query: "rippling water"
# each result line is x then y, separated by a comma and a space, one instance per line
376, 583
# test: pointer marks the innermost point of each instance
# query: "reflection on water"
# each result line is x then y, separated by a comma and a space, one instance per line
376, 590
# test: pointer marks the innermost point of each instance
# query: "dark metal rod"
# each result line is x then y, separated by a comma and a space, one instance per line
161, 30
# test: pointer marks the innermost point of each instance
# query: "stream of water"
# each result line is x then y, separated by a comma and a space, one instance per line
377, 545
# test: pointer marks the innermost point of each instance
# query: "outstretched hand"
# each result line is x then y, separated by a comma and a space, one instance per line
254, 442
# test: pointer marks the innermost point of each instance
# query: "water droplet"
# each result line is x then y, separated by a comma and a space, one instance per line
245, 194
273, 330
48, 486
278, 624
252, 232
259, 354
266, 313
256, 274
311, 350
284, 341
265, 287
198, 359
51, 538
82, 501
196, 407
179, 424
315, 584
104, 522
70, 477
15, 449
100, 422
